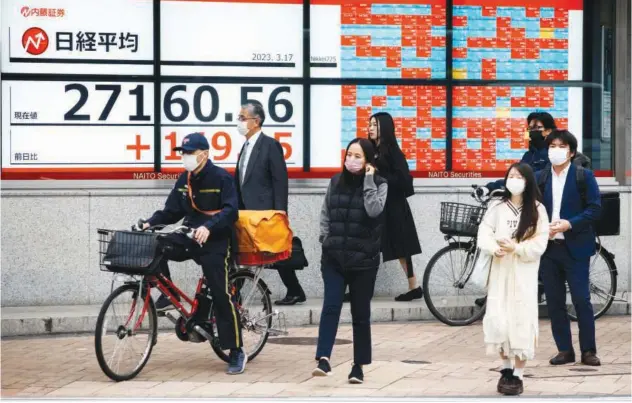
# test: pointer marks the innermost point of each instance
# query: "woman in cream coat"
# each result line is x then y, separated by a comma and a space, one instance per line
515, 231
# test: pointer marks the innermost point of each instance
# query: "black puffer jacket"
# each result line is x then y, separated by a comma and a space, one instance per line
353, 238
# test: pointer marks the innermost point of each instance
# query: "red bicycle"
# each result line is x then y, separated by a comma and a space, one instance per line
127, 325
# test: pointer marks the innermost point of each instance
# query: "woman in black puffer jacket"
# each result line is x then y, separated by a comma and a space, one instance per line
350, 231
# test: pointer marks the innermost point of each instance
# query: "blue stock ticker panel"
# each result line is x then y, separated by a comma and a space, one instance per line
393, 40
517, 40
419, 113
489, 127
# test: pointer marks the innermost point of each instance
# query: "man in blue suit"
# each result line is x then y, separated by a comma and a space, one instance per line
572, 212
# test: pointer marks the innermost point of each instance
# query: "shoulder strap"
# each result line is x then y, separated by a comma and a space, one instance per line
190, 190
580, 175
544, 176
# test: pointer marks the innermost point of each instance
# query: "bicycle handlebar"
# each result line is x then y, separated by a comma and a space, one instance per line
483, 198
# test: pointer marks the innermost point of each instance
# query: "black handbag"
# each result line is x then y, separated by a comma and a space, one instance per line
297, 260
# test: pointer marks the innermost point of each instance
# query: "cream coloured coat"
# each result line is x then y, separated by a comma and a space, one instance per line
511, 318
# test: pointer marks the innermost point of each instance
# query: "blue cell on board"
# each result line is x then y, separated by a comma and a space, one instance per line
438, 144
474, 144
547, 12
458, 133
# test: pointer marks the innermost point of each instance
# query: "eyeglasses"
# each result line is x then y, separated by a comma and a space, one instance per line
243, 118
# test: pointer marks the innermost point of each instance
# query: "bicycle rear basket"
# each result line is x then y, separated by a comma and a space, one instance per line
127, 252
459, 219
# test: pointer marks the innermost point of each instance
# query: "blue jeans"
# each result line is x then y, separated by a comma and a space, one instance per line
361, 285
556, 267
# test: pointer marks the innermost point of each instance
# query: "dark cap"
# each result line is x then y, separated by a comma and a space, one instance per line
192, 142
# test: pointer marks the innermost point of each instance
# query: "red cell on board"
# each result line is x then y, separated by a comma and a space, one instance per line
459, 21
474, 43
489, 92
473, 123
459, 53
379, 19
409, 101
519, 144
503, 34
561, 23
562, 123
424, 21
503, 91
517, 53
532, 92
546, 75
363, 51
438, 20
532, 53
518, 33
560, 43
394, 19
438, 122
533, 12
459, 122
438, 41
503, 43
561, 13
533, 102
378, 51
347, 40
393, 63
489, 102
424, 113
518, 102
489, 11
475, 132
363, 40
547, 22
518, 43
503, 22
408, 73
424, 73
423, 52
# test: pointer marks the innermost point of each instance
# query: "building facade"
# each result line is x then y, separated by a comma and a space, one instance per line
95, 94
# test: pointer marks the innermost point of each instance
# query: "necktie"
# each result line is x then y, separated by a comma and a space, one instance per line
242, 163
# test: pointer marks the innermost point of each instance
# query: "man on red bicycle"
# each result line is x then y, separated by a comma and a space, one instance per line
206, 198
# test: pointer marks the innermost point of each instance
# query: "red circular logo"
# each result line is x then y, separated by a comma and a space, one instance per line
35, 41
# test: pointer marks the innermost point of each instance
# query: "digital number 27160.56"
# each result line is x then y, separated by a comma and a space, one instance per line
172, 98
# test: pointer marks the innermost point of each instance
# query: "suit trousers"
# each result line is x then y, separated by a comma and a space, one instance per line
214, 262
556, 268
361, 286
290, 281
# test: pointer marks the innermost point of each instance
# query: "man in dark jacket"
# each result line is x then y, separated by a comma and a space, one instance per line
205, 197
262, 182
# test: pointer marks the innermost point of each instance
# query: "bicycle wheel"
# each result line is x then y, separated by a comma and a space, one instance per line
127, 325
602, 279
447, 291
255, 311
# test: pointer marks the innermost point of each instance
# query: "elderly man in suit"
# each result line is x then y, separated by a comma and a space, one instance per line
262, 182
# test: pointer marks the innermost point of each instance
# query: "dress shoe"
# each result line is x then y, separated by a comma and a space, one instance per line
563, 357
290, 301
590, 358
415, 293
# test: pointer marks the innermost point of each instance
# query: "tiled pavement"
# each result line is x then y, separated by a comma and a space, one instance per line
451, 361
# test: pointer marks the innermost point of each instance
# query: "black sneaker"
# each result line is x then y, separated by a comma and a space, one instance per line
323, 368
356, 376
513, 387
505, 376
163, 303
416, 293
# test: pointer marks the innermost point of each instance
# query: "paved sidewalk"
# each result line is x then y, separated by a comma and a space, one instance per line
450, 361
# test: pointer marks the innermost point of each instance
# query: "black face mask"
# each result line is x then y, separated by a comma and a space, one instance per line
537, 139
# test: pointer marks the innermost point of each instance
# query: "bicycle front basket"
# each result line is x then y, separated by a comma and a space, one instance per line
459, 219
127, 252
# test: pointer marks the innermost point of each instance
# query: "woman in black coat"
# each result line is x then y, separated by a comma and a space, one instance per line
399, 239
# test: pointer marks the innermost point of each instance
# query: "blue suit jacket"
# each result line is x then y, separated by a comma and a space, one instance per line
580, 239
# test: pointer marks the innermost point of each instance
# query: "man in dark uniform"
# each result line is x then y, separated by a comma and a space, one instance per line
202, 189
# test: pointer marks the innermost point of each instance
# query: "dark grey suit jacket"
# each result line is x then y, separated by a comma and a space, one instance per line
265, 186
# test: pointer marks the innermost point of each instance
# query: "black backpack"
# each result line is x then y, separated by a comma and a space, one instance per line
609, 220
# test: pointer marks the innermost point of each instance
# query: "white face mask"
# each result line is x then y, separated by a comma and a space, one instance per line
558, 156
190, 162
242, 127
515, 186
